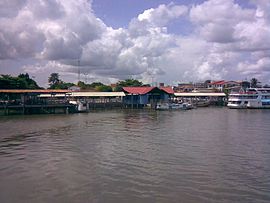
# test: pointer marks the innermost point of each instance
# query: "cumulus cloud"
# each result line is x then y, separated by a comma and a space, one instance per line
226, 41
259, 67
216, 19
234, 31
161, 15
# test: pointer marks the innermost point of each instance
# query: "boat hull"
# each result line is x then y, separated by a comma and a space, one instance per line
183, 106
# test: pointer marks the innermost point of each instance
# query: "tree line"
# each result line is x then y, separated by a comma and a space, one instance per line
23, 81
56, 83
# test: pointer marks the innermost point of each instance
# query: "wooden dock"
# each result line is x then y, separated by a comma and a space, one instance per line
37, 109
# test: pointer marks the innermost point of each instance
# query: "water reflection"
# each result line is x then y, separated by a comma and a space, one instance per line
205, 155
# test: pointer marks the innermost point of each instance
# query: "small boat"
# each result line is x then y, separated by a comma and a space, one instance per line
164, 106
174, 106
81, 106
202, 103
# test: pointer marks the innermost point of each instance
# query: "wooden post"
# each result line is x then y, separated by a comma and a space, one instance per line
6, 109
23, 98
132, 99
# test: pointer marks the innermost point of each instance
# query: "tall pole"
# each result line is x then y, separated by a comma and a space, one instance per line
79, 71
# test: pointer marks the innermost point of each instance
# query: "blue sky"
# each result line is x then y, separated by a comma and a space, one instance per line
119, 13
168, 41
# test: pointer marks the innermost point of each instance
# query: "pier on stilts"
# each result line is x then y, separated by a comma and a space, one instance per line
29, 102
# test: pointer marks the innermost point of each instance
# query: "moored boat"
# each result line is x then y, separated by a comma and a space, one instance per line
258, 98
81, 106
202, 103
174, 106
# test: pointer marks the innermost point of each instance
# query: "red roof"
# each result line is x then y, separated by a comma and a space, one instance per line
221, 82
169, 90
138, 90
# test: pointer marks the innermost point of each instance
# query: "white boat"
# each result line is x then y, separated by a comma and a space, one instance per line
258, 98
80, 105
174, 106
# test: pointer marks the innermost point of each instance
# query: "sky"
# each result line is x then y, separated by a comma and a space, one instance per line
149, 40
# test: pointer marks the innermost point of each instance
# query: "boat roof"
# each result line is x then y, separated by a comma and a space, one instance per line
200, 94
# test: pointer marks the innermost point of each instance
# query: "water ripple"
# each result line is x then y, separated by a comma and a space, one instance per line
205, 155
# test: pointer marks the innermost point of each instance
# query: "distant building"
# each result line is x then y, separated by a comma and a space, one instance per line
184, 87
161, 84
74, 88
200, 85
222, 84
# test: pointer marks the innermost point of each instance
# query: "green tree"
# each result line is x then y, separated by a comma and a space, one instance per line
96, 84
127, 83
23, 81
82, 85
53, 79
56, 83
31, 84
61, 85
103, 88
254, 82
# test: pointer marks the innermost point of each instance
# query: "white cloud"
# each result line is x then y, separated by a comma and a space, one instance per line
216, 19
226, 41
162, 15
260, 67
253, 36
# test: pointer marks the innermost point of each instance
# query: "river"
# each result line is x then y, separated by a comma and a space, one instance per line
200, 155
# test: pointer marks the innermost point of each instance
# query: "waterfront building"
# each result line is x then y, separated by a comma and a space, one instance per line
139, 97
92, 100
14, 101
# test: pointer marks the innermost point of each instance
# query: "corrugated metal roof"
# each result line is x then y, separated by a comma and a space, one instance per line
169, 90
52, 95
220, 82
138, 90
32, 91
200, 94
87, 94
223, 82
97, 94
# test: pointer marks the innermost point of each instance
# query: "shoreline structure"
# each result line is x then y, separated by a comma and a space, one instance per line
66, 101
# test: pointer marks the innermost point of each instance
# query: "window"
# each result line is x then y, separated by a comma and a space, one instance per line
265, 103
